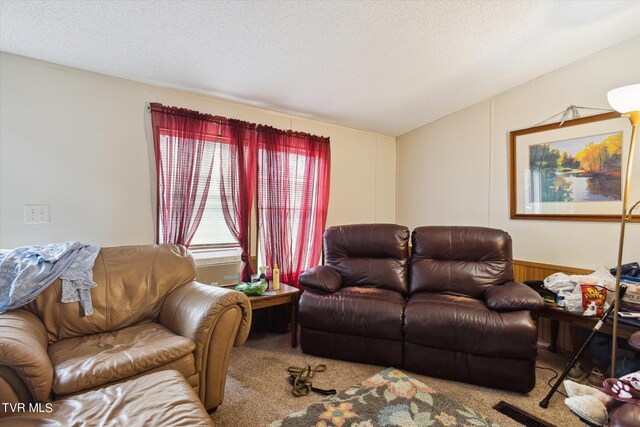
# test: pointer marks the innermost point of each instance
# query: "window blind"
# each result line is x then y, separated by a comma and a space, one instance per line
289, 195
213, 229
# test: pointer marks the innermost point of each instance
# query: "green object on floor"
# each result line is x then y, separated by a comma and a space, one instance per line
255, 288
300, 379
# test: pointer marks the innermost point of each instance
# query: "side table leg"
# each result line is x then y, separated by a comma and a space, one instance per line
554, 327
294, 321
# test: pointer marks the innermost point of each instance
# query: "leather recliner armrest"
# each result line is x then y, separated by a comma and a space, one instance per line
23, 351
216, 319
321, 278
512, 296
193, 309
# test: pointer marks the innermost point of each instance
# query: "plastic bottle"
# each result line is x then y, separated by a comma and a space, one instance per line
275, 281
560, 300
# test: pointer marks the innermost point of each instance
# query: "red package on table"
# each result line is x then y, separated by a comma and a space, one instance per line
593, 299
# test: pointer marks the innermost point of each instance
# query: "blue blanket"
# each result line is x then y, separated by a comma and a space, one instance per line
27, 271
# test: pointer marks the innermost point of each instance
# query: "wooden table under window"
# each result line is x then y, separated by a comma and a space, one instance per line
286, 295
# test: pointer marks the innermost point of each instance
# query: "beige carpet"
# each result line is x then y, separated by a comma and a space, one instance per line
258, 393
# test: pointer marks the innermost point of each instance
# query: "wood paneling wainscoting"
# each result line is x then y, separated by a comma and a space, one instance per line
527, 270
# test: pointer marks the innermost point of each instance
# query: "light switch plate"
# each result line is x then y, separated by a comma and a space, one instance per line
36, 214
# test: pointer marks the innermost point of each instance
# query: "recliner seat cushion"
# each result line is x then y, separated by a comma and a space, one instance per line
463, 324
93, 360
353, 310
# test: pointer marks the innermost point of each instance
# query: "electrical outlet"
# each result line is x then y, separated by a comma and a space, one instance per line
36, 214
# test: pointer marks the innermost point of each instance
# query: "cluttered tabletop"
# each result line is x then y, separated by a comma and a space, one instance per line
572, 297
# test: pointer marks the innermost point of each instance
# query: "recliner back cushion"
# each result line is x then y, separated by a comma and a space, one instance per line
370, 255
459, 260
132, 282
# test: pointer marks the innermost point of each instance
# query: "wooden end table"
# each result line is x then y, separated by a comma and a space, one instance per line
285, 295
557, 315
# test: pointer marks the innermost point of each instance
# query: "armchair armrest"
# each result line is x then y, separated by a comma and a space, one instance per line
513, 296
24, 362
192, 311
321, 278
216, 319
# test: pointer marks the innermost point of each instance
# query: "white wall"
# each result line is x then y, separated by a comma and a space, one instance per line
78, 141
455, 170
442, 172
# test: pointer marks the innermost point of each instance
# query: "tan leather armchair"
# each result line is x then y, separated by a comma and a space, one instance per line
149, 315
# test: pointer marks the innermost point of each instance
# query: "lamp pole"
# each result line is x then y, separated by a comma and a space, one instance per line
627, 101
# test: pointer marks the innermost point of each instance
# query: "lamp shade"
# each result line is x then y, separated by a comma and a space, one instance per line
625, 99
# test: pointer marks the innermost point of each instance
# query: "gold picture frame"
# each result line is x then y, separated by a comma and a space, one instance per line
570, 172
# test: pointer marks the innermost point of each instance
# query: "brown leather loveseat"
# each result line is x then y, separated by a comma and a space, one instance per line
148, 316
449, 310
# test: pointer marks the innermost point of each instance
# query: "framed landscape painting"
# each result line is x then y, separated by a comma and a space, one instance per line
571, 172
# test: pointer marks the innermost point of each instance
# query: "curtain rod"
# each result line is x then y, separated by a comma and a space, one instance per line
257, 127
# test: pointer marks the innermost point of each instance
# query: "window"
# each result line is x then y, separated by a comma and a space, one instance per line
213, 230
292, 199
287, 205
209, 170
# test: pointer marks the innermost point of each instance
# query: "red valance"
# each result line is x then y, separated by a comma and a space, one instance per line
192, 114
291, 133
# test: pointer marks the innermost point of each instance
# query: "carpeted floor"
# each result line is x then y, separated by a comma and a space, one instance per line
257, 391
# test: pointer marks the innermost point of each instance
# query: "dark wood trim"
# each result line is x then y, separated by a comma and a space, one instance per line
574, 217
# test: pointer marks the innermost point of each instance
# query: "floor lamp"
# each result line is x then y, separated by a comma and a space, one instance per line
625, 100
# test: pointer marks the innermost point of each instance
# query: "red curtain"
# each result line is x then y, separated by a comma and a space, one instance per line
290, 168
186, 143
238, 185
293, 197
184, 162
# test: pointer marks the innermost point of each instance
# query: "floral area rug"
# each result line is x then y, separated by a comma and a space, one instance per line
390, 398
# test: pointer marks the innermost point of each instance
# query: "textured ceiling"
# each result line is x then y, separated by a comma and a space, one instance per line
382, 66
